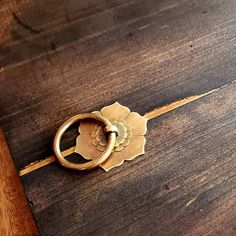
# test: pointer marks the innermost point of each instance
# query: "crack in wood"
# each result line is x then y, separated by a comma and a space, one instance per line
25, 25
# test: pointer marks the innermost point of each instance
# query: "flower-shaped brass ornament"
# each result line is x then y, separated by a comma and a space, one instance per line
130, 140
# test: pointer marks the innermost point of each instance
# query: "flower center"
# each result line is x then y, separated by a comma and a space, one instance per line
122, 140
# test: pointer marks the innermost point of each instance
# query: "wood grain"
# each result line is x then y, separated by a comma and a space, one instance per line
16, 218
150, 58
183, 185
82, 55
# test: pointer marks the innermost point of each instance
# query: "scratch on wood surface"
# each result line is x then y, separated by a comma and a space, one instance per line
191, 201
24, 25
202, 179
205, 176
164, 26
150, 115
144, 27
197, 176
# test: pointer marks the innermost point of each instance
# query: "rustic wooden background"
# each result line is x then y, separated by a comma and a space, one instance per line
59, 58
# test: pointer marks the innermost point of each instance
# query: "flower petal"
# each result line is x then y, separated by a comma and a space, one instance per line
134, 149
137, 123
115, 111
101, 138
119, 148
97, 113
115, 159
85, 148
101, 148
87, 127
120, 139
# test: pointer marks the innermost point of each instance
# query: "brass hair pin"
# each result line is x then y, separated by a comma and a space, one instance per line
107, 137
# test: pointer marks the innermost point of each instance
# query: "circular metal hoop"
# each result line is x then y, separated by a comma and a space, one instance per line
109, 128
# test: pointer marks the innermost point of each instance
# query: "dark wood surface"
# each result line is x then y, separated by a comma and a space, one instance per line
60, 58
16, 218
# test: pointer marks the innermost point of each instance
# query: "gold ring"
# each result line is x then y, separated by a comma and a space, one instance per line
109, 128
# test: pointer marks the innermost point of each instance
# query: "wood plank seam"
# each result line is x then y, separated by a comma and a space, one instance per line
149, 115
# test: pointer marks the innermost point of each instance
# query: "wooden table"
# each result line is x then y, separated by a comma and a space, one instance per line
59, 58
